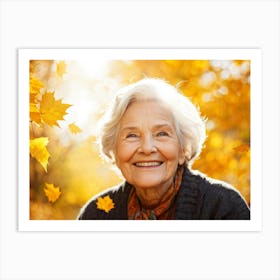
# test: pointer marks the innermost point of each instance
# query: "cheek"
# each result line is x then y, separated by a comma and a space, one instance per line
124, 152
173, 153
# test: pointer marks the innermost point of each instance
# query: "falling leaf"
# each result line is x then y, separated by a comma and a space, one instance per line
243, 148
60, 68
38, 150
52, 192
105, 204
74, 128
52, 110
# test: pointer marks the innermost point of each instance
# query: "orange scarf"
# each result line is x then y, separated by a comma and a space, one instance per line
165, 210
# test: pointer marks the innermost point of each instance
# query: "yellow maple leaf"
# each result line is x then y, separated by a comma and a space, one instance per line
74, 128
52, 192
106, 204
38, 150
243, 148
52, 110
60, 68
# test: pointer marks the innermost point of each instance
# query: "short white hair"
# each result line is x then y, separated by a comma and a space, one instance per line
189, 125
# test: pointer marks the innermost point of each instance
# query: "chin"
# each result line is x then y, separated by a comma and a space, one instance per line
144, 185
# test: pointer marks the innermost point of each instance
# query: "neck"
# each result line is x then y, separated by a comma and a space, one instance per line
151, 197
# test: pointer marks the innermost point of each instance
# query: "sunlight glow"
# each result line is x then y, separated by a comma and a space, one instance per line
88, 85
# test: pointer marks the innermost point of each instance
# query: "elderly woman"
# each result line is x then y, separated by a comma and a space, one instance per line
153, 134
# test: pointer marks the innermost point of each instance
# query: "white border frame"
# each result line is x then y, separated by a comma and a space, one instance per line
25, 55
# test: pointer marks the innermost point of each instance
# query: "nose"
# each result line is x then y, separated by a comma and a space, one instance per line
147, 145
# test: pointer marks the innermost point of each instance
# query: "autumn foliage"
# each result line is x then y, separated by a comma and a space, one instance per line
66, 103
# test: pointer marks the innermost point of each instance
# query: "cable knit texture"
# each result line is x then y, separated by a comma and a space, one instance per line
199, 198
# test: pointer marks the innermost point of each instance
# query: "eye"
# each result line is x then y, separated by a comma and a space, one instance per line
131, 135
162, 133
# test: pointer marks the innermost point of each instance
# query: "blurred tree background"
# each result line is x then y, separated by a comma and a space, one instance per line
67, 98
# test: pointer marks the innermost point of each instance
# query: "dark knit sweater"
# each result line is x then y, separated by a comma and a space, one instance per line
199, 198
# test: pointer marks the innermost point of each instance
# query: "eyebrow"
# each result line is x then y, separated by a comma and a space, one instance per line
162, 126
158, 126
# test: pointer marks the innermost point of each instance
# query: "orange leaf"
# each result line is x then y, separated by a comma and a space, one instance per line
52, 110
74, 128
106, 204
38, 150
52, 192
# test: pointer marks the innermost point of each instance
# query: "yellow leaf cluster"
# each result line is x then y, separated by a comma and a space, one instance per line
38, 150
47, 110
44, 108
106, 204
52, 192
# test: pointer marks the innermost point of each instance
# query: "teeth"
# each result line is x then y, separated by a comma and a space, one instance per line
153, 163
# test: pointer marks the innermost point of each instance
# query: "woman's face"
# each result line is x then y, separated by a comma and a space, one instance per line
148, 150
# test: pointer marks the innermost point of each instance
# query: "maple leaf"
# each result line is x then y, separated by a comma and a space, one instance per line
60, 68
52, 110
52, 192
38, 150
106, 204
243, 148
74, 128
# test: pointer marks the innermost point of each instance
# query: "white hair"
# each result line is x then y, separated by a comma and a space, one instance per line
189, 125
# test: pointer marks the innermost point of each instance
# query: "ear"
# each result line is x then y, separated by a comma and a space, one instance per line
188, 153
113, 158
182, 157
115, 161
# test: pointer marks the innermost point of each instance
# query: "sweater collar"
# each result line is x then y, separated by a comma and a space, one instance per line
187, 198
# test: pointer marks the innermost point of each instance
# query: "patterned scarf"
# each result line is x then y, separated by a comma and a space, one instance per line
163, 211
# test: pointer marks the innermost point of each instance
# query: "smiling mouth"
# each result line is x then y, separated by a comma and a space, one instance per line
148, 164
